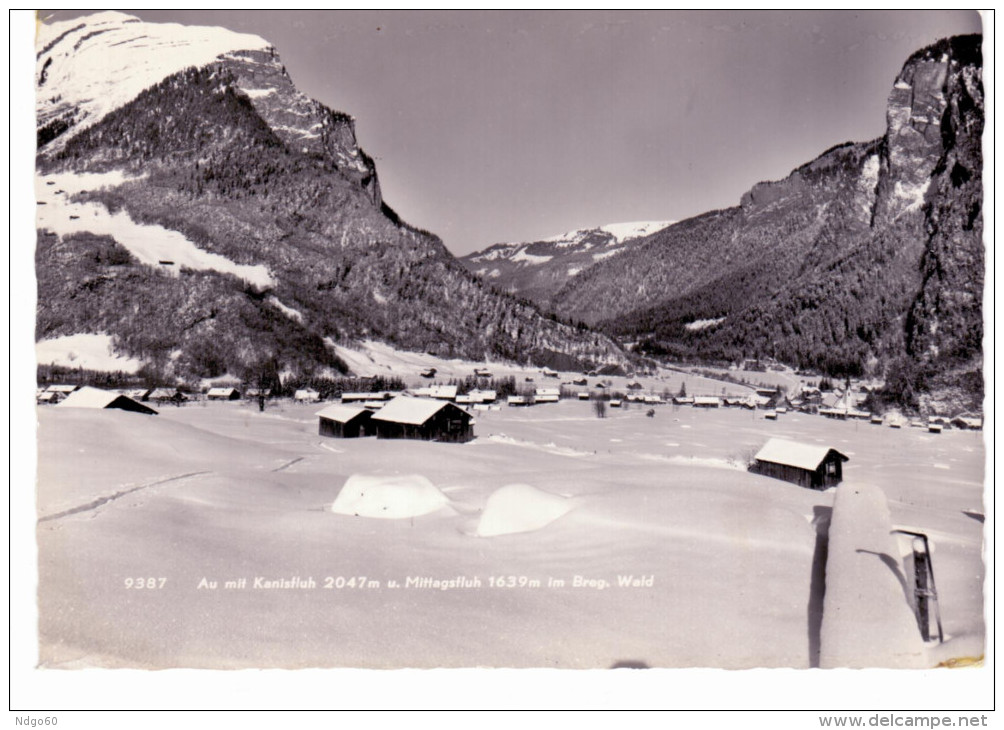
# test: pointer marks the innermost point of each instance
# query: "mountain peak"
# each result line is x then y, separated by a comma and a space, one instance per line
87, 67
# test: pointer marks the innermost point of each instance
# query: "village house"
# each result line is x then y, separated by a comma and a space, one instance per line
443, 392
341, 421
223, 394
415, 418
165, 395
968, 422
706, 401
306, 395
807, 465
62, 390
46, 397
483, 396
547, 395
88, 397
519, 400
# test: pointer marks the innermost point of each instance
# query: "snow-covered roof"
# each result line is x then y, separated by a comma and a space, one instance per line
88, 397
547, 391
221, 391
793, 453
163, 393
61, 388
706, 400
414, 411
443, 391
341, 414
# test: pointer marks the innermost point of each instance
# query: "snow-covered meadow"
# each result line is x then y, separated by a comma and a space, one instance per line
213, 535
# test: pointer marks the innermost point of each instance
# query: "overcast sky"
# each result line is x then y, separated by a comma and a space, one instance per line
512, 126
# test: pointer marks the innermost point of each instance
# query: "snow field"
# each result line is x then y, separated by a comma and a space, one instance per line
658, 563
88, 351
150, 244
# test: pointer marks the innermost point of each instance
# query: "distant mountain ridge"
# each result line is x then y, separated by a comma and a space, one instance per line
537, 270
201, 143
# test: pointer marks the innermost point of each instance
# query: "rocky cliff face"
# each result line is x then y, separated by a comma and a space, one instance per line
869, 255
208, 216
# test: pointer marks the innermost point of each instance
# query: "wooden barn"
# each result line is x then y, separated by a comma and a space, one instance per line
428, 420
807, 465
223, 394
345, 422
88, 397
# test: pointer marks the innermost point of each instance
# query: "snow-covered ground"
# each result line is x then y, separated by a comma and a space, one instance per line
372, 358
211, 536
152, 245
88, 351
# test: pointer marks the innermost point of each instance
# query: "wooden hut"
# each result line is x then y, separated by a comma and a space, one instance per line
807, 465
223, 394
428, 420
340, 421
88, 397
306, 395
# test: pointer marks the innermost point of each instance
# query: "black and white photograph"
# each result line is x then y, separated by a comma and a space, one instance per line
565, 340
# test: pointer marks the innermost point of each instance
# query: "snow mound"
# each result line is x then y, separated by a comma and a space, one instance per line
520, 508
393, 497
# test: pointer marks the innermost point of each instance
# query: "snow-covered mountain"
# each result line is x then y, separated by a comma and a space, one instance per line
537, 270
206, 217
88, 67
